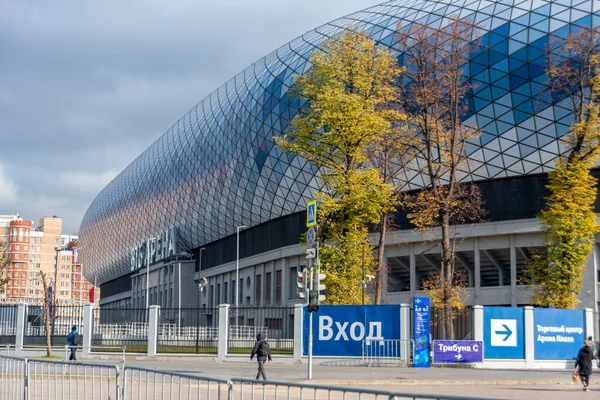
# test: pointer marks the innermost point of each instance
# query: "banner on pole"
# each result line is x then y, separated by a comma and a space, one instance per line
421, 331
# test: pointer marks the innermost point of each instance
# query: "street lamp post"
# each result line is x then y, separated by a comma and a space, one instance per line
237, 270
200, 286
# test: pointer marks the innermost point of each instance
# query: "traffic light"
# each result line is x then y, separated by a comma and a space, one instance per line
301, 284
320, 286
313, 301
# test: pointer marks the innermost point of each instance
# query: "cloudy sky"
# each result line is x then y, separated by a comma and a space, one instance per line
86, 86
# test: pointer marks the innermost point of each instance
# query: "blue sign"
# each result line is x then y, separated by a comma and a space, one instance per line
421, 330
340, 330
503, 333
457, 351
559, 334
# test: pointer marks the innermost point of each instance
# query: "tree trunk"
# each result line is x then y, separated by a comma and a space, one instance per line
381, 262
448, 275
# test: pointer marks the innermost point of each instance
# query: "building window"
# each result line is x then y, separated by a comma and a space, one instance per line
218, 294
211, 295
241, 293
293, 285
225, 292
268, 284
233, 291
258, 290
278, 281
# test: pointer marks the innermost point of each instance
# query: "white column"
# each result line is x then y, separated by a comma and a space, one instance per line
405, 332
87, 328
414, 284
153, 330
529, 337
298, 331
589, 323
477, 266
21, 326
478, 323
223, 331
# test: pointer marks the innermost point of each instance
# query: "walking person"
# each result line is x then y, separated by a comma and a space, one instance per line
73, 339
584, 364
262, 352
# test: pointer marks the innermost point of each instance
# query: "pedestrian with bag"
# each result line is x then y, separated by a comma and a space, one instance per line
262, 351
583, 364
74, 340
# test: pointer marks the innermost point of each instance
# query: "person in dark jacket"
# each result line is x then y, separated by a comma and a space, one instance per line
261, 357
584, 364
72, 346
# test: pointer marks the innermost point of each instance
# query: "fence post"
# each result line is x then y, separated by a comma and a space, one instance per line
589, 323
223, 331
88, 328
405, 333
298, 321
21, 325
153, 330
478, 323
529, 336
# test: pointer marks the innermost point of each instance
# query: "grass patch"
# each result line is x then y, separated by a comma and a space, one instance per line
51, 357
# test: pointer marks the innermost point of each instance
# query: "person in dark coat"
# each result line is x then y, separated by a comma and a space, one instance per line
584, 364
258, 351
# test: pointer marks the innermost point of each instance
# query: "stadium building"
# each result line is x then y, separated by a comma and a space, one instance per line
215, 186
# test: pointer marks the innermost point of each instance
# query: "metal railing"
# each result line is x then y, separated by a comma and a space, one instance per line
53, 380
120, 327
242, 388
142, 383
188, 330
22, 378
276, 324
62, 319
378, 352
12, 377
8, 324
56, 380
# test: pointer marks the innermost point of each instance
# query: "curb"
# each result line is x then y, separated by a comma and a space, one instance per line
413, 382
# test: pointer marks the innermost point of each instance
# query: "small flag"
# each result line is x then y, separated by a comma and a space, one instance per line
91, 295
51, 309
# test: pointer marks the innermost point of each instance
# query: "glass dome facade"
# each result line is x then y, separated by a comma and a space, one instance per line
217, 167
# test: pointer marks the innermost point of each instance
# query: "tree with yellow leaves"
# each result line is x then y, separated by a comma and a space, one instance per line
435, 91
350, 103
569, 220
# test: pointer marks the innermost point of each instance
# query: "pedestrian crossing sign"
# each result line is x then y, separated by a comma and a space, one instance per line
311, 213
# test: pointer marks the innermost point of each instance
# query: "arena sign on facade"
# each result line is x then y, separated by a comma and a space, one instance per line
217, 169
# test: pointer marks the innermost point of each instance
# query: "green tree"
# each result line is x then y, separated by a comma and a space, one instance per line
350, 103
435, 94
568, 219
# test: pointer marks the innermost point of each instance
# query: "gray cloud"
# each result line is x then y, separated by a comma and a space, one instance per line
86, 86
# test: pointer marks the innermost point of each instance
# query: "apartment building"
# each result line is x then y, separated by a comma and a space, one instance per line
33, 250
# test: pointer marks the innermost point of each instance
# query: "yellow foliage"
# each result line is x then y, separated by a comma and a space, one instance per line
349, 99
569, 220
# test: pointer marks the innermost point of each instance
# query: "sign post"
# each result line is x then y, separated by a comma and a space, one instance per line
312, 254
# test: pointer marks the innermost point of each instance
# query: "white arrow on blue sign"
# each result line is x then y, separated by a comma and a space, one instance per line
503, 332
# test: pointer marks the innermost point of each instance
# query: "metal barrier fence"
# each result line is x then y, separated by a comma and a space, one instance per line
242, 388
463, 324
8, 324
141, 383
276, 324
379, 352
12, 377
188, 330
62, 319
57, 380
120, 327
